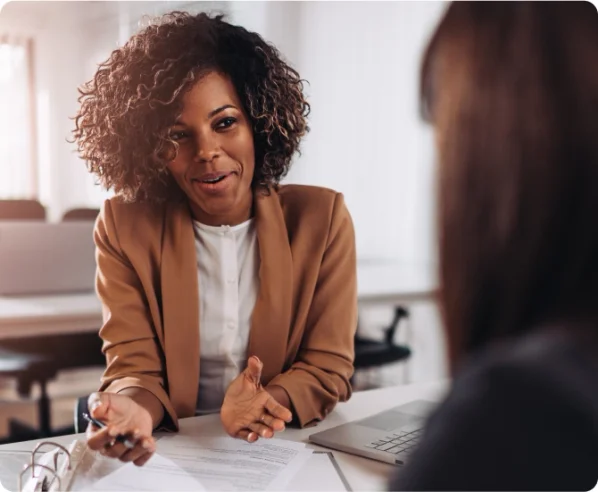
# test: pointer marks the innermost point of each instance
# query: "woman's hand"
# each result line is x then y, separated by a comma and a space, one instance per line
248, 410
122, 415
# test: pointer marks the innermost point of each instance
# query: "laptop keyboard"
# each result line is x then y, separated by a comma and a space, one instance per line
399, 443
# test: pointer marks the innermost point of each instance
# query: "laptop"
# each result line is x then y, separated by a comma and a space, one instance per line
388, 436
39, 258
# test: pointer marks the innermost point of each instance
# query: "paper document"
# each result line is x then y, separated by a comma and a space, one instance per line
159, 473
212, 463
321, 472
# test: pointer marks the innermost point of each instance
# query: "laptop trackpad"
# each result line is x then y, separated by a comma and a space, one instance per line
387, 421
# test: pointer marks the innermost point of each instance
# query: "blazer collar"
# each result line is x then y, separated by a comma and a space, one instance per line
271, 320
180, 308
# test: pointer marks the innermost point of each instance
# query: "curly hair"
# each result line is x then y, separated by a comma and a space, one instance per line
121, 128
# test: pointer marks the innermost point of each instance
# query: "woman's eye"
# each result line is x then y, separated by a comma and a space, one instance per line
176, 136
226, 122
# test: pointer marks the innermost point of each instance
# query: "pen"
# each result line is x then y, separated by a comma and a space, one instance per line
120, 438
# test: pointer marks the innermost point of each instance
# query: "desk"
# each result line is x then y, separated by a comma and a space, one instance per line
49, 315
361, 473
379, 282
391, 282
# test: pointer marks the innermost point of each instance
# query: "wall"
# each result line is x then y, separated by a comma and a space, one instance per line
361, 60
367, 139
71, 38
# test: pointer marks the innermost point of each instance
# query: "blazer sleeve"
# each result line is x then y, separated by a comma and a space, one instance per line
319, 377
133, 355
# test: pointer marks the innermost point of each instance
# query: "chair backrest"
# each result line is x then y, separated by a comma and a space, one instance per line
22, 210
81, 214
374, 353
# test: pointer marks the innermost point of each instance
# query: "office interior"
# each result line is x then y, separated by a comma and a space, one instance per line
361, 61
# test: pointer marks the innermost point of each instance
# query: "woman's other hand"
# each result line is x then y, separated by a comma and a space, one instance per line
122, 416
249, 411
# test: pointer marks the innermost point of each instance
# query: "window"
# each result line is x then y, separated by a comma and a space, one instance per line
18, 167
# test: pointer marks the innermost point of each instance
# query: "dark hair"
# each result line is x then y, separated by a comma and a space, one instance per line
126, 109
512, 89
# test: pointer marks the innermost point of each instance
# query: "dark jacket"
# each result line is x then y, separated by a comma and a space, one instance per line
520, 416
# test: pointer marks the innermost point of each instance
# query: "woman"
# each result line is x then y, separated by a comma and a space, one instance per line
203, 260
512, 91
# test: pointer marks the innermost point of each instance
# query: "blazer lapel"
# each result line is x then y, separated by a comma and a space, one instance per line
180, 308
271, 320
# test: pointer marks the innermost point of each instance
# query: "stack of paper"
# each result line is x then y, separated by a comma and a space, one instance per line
212, 463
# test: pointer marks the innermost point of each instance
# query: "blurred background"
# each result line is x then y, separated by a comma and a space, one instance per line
361, 61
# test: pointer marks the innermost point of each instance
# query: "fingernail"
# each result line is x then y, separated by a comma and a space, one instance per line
251, 437
147, 445
95, 405
113, 431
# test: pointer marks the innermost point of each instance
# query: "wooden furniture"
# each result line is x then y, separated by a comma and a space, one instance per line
51, 332
27, 369
81, 214
22, 210
394, 283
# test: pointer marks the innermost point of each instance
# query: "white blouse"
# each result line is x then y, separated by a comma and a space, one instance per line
228, 268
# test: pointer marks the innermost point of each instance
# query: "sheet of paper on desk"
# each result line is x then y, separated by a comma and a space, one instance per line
159, 473
319, 473
212, 463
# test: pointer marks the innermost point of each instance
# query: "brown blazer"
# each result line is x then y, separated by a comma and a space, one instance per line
303, 322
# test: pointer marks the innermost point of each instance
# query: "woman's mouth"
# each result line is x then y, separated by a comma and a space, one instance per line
213, 182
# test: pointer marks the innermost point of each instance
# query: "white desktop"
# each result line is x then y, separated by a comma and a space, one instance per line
360, 473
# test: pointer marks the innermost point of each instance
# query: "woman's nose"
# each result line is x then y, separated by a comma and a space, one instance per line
207, 149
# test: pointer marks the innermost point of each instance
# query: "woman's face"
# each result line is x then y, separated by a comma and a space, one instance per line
216, 160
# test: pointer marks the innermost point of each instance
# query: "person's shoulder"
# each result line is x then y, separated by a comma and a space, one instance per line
122, 211
306, 196
131, 222
324, 209
559, 363
311, 202
547, 350
517, 403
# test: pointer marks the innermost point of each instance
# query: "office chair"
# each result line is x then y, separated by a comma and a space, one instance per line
81, 214
371, 353
28, 369
40, 360
22, 210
